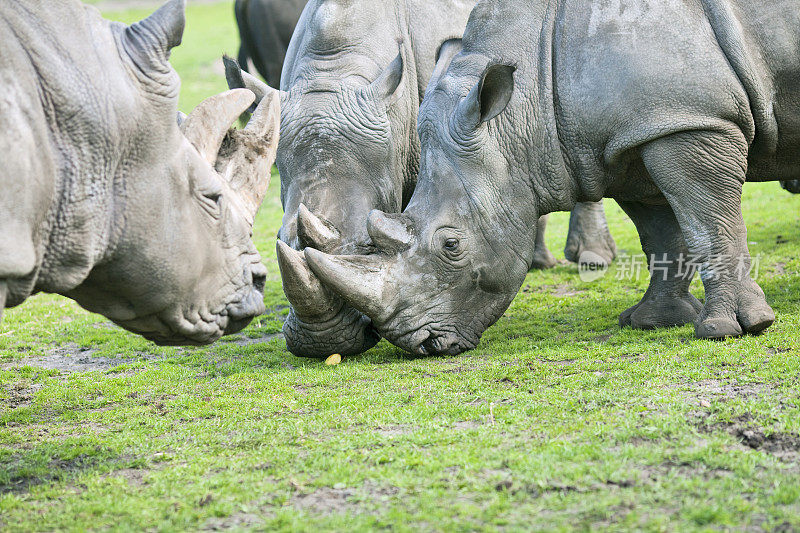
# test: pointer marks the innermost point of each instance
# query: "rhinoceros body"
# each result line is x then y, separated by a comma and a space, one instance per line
105, 200
353, 79
265, 29
667, 106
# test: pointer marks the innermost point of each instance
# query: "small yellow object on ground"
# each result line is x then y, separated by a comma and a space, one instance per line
334, 359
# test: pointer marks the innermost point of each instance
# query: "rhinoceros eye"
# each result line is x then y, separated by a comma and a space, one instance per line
211, 201
451, 245
213, 196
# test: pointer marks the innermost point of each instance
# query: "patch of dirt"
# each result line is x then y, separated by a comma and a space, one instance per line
21, 395
337, 499
772, 350
393, 431
236, 521
564, 290
134, 476
725, 390
783, 445
557, 362
73, 358
247, 341
466, 424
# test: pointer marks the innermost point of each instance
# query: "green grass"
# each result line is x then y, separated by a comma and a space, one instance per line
559, 420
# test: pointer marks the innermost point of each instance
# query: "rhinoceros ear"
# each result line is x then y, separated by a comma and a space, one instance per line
489, 97
387, 85
148, 43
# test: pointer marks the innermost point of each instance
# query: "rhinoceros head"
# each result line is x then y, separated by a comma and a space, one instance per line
451, 263
341, 155
182, 268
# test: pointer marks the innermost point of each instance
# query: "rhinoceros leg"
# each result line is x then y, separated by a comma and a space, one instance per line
791, 186
542, 258
667, 301
589, 240
3, 290
701, 174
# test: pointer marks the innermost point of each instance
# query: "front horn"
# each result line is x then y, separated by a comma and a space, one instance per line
358, 279
310, 300
207, 125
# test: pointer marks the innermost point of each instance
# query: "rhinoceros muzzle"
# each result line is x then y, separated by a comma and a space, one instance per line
320, 323
241, 313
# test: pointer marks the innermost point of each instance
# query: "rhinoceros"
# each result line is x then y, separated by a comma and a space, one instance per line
354, 77
265, 29
106, 200
666, 106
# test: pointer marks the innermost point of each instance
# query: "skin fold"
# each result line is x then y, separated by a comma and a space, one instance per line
606, 101
108, 200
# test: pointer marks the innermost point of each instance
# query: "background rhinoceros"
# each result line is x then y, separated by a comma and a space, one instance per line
105, 199
553, 103
354, 77
265, 30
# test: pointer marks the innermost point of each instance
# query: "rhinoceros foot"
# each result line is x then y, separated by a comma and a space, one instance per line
588, 232
751, 314
661, 312
542, 259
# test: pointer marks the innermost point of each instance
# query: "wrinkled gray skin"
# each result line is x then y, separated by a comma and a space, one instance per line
668, 119
106, 200
265, 29
352, 84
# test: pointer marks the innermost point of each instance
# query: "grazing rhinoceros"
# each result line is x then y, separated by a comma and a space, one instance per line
265, 29
354, 77
105, 199
550, 103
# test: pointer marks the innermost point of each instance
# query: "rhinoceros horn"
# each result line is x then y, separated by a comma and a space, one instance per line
359, 279
239, 79
208, 124
251, 151
243, 157
311, 301
315, 232
362, 280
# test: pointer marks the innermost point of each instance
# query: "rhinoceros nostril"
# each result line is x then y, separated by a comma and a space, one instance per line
258, 273
441, 345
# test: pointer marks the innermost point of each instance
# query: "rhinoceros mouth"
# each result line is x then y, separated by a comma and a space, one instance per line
430, 341
176, 328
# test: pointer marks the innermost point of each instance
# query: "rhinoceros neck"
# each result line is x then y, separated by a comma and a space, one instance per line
527, 131
77, 81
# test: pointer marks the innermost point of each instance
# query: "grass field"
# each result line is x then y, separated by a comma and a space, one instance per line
558, 420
